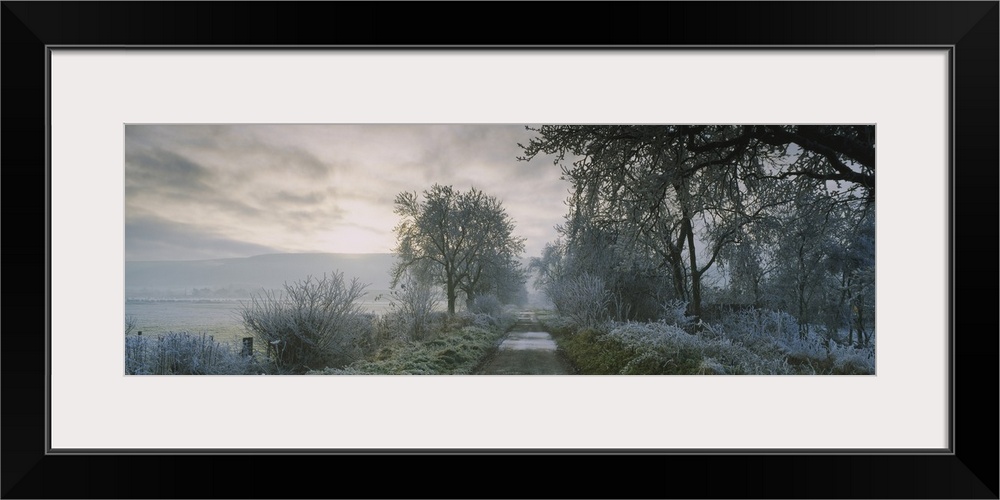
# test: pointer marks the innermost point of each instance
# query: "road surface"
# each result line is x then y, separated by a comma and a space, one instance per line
526, 350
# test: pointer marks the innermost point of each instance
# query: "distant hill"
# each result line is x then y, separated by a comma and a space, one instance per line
227, 277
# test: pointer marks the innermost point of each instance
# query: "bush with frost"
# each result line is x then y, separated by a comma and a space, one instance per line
183, 353
314, 323
583, 300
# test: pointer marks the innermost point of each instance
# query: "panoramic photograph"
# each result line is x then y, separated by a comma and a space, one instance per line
499, 249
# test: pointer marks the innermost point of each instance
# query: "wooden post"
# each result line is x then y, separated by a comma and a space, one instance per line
273, 345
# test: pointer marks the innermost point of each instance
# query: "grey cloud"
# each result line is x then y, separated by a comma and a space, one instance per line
305, 220
451, 150
155, 238
180, 136
492, 144
300, 179
243, 210
286, 159
248, 149
160, 174
303, 212
288, 197
227, 170
162, 170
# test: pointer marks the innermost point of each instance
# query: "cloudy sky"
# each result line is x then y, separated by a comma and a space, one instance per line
217, 191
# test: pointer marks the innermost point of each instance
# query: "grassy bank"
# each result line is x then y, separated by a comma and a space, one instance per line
455, 348
662, 349
455, 345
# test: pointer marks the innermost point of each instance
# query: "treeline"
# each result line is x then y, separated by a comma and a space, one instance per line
670, 220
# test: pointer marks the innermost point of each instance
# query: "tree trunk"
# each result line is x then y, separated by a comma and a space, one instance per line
695, 275
676, 264
687, 232
801, 289
802, 311
452, 296
862, 336
842, 305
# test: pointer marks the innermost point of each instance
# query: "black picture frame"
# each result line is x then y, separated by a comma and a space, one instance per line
969, 470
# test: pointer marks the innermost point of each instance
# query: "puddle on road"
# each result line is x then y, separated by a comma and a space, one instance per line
521, 341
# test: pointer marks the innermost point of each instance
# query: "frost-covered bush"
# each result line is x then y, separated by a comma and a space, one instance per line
555, 324
674, 312
768, 344
186, 354
502, 321
486, 304
131, 322
761, 323
773, 334
386, 329
484, 321
313, 324
850, 360
414, 302
376, 330
662, 348
584, 299
711, 366
458, 352
809, 348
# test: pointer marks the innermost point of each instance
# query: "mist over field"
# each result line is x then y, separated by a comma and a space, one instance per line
239, 277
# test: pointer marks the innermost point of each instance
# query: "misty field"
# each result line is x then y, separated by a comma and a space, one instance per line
217, 317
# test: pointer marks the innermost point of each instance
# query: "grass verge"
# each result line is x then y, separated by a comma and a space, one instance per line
452, 352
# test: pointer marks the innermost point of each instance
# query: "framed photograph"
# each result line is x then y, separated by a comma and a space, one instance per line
121, 97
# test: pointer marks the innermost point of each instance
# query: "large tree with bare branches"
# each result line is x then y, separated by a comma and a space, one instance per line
463, 241
684, 194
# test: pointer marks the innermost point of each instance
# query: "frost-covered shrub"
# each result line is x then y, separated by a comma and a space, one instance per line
484, 321
850, 360
414, 302
313, 324
772, 347
584, 299
771, 334
502, 321
555, 324
186, 354
376, 330
457, 352
809, 348
131, 322
711, 330
761, 323
486, 304
674, 312
711, 366
457, 321
683, 353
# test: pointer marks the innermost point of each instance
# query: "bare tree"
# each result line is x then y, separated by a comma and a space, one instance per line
463, 240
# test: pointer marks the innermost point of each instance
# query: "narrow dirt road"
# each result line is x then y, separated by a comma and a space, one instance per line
526, 351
